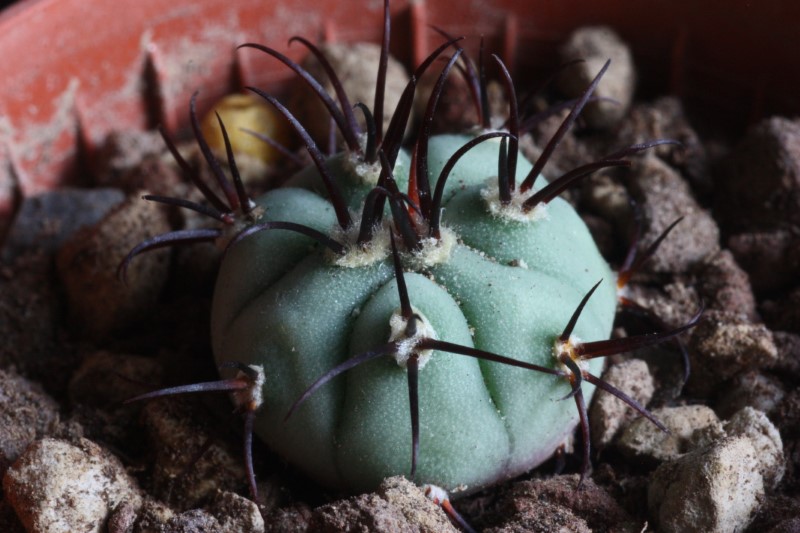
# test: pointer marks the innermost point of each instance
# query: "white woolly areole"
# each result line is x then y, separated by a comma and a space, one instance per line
406, 345
365, 172
435, 493
513, 210
251, 397
240, 223
435, 251
356, 255
568, 348
624, 291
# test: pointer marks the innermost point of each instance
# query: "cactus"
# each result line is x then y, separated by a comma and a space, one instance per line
440, 343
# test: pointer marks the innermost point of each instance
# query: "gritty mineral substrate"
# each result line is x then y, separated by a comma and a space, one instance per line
76, 343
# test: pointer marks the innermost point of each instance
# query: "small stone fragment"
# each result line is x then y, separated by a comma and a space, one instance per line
194, 521
709, 490
608, 197
770, 258
153, 516
398, 506
87, 265
724, 344
43, 222
27, 413
776, 514
643, 441
291, 519
122, 152
788, 345
418, 509
664, 196
759, 187
177, 429
674, 304
236, 513
766, 441
30, 322
723, 285
367, 512
356, 65
607, 413
594, 508
107, 379
595, 45
543, 517
56, 486
122, 518
665, 118
456, 111
751, 389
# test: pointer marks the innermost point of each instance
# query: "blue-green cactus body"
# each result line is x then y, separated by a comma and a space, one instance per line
352, 175
508, 287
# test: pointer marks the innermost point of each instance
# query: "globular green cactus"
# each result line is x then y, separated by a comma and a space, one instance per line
446, 357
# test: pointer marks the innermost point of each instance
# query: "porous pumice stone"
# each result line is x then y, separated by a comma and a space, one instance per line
61, 487
101, 303
503, 284
356, 65
594, 45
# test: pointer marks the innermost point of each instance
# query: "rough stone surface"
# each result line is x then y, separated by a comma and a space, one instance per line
543, 517
46, 220
710, 490
30, 319
770, 258
291, 519
643, 441
558, 498
750, 389
595, 46
236, 513
788, 345
56, 486
153, 517
27, 413
106, 379
766, 440
665, 119
724, 344
122, 153
122, 519
356, 65
397, 506
99, 302
664, 196
759, 187
178, 430
608, 413
723, 285
779, 514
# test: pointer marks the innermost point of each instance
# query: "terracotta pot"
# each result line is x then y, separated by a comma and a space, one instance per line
73, 70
